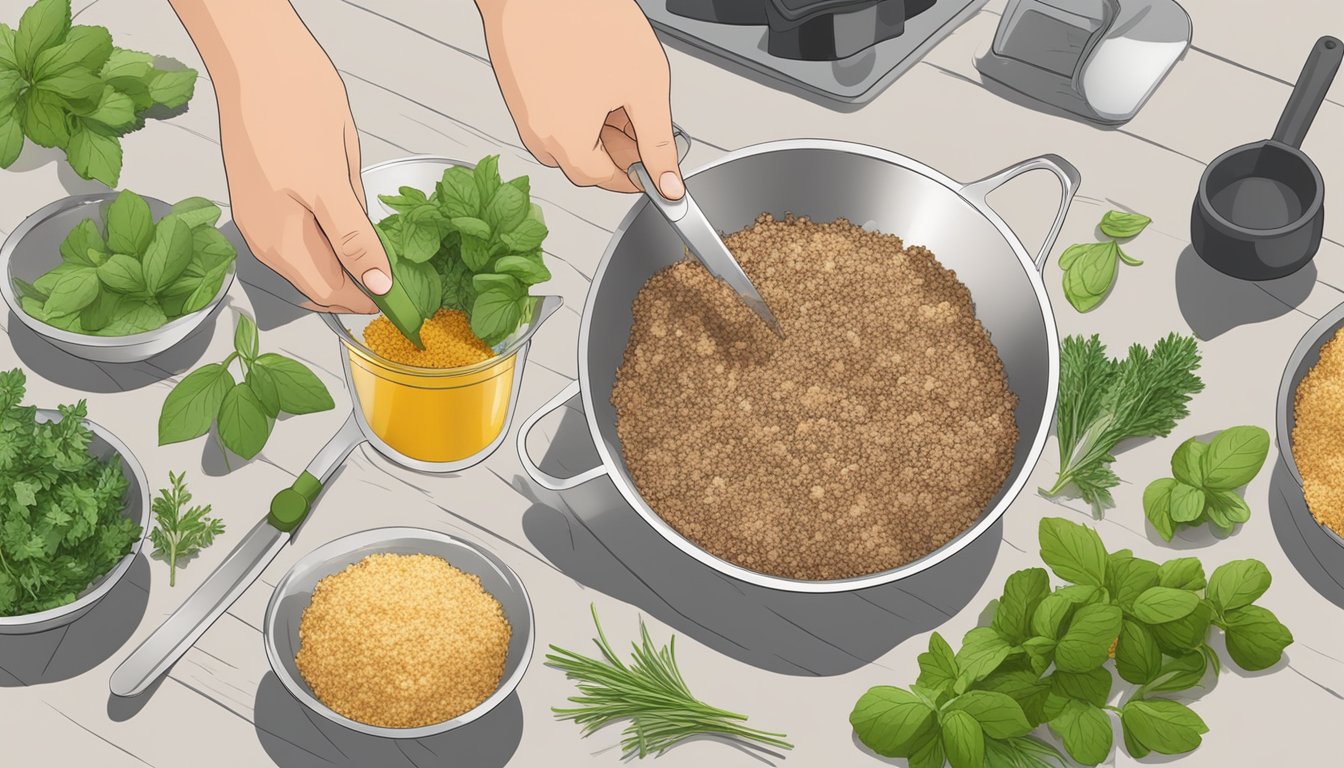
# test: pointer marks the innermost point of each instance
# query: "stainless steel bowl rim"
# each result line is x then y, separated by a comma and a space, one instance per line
110, 579
11, 246
337, 547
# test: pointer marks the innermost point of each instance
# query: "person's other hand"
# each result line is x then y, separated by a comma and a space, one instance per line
588, 87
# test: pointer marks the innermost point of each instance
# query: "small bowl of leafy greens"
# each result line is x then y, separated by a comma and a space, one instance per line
115, 277
74, 515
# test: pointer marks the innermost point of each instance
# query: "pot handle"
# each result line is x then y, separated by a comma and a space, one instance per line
1069, 179
544, 479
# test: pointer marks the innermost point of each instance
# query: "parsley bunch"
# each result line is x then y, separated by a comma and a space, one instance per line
1047, 659
61, 522
137, 274
473, 244
178, 534
69, 87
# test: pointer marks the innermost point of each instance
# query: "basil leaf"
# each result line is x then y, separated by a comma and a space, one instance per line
1074, 552
11, 138
938, 666
122, 273
1080, 594
205, 290
245, 338
1235, 457
999, 716
299, 388
244, 426
1186, 503
1089, 279
167, 255
1122, 224
1186, 462
135, 316
506, 210
1157, 506
44, 119
982, 651
459, 194
891, 721
1255, 638
99, 314
1050, 616
1162, 604
1087, 643
86, 47
963, 740
495, 314
261, 381
196, 212
172, 88
209, 249
1128, 578
130, 225
1023, 686
42, 26
83, 238
930, 755
7, 58
1133, 746
1182, 573
1070, 255
1237, 584
94, 154
423, 230
528, 235
406, 199
1186, 633
1162, 725
1092, 686
470, 225
1022, 593
74, 291
1227, 509
475, 253
192, 405
1179, 673
486, 177
74, 86
1085, 731
522, 184
115, 110
1137, 657
528, 271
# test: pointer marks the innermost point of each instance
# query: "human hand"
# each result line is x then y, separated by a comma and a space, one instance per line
587, 84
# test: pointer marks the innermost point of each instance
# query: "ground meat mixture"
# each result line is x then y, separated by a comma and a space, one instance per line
877, 430
1318, 440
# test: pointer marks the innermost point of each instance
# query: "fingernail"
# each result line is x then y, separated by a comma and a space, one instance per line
670, 185
376, 280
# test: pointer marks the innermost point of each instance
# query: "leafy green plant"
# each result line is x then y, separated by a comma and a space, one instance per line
134, 275
1050, 656
178, 534
68, 87
1090, 268
472, 244
243, 411
61, 521
651, 694
1205, 483
1104, 401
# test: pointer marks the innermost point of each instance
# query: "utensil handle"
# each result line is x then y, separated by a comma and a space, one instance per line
672, 209
1069, 180
290, 506
545, 479
1312, 84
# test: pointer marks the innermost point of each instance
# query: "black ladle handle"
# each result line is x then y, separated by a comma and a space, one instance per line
1312, 84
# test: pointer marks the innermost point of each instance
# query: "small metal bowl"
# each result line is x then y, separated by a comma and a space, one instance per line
294, 593
34, 248
104, 445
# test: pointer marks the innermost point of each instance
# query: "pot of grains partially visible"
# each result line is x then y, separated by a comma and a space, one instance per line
892, 425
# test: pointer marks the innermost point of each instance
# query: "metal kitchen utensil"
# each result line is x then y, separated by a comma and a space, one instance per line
33, 248
1099, 59
701, 239
104, 445
1260, 210
294, 592
877, 189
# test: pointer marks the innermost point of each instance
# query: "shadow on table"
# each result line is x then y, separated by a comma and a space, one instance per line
1213, 303
1312, 551
594, 537
64, 652
295, 737
274, 301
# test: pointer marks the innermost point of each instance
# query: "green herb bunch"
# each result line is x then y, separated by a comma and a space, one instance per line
138, 274
1049, 656
243, 411
178, 534
1090, 268
1104, 401
473, 244
1207, 476
651, 694
61, 522
69, 87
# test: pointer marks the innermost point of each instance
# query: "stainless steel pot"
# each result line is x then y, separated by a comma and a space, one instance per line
877, 189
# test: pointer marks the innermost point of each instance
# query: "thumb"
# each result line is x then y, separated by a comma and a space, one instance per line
652, 121
353, 239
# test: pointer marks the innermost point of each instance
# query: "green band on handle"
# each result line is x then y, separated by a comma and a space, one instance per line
290, 506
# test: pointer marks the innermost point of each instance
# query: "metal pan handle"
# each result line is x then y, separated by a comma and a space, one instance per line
544, 479
1069, 179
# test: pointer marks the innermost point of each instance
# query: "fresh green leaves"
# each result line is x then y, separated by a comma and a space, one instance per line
178, 533
1207, 476
61, 522
68, 87
1090, 268
473, 245
1045, 660
242, 411
1104, 401
136, 275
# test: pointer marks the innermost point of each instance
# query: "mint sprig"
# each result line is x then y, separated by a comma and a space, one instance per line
1206, 477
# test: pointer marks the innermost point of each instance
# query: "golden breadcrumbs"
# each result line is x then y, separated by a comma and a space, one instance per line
1318, 435
402, 641
447, 337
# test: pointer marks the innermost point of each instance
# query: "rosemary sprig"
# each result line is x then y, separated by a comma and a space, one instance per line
650, 693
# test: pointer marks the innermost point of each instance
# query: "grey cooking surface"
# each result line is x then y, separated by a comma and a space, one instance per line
855, 79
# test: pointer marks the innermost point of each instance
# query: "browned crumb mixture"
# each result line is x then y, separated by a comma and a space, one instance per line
875, 432
1318, 435
401, 641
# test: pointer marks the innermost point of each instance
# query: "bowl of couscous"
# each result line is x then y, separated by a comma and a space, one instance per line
400, 632
1310, 415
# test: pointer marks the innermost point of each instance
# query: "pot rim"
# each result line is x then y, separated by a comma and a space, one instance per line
1228, 228
1014, 488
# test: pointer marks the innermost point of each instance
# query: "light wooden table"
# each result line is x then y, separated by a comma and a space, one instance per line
420, 83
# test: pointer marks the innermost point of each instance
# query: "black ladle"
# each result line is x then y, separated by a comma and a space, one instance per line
1261, 207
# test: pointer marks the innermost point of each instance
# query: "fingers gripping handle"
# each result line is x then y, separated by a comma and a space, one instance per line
1069, 180
639, 176
544, 479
